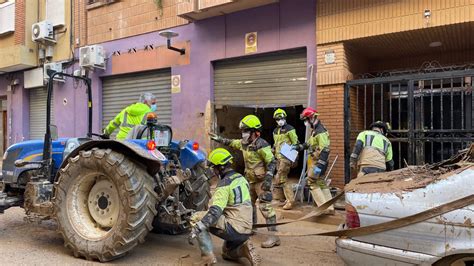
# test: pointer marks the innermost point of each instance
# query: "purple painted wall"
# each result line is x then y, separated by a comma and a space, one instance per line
284, 25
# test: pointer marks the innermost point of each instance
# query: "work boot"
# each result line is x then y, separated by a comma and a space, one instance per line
327, 196
288, 205
272, 240
205, 245
289, 195
246, 250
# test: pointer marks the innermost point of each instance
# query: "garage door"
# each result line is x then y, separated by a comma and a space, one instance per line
121, 91
38, 99
277, 79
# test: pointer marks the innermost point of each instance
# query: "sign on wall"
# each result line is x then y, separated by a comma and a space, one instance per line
250, 42
176, 84
329, 57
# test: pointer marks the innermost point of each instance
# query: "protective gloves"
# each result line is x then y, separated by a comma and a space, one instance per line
216, 137
267, 182
317, 171
197, 229
298, 147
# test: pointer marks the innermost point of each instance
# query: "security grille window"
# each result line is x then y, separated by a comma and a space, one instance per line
120, 91
431, 114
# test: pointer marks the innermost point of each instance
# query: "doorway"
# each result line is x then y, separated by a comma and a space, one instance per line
430, 114
228, 118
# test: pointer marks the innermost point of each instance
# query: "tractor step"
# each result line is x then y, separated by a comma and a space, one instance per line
7, 202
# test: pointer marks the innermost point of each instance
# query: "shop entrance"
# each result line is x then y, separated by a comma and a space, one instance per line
430, 114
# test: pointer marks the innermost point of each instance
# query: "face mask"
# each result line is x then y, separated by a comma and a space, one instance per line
306, 123
245, 137
153, 107
281, 122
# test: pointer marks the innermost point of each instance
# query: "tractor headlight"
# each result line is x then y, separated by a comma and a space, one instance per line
5, 155
71, 145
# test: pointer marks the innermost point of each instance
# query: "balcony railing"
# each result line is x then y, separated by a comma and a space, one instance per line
202, 9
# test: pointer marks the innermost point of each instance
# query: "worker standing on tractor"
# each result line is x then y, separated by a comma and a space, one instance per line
318, 149
230, 214
132, 115
259, 169
284, 133
373, 150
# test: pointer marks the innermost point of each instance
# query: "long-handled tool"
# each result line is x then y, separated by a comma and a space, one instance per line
328, 181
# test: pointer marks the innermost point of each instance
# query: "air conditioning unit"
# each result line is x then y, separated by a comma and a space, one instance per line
92, 56
56, 67
43, 32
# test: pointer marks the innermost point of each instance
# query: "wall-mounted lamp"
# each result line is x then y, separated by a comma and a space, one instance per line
427, 13
168, 35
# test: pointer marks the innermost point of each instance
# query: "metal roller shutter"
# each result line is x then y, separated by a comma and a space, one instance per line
38, 99
277, 79
120, 91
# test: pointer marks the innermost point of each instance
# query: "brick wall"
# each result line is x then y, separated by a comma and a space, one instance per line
80, 23
127, 18
339, 20
330, 105
20, 22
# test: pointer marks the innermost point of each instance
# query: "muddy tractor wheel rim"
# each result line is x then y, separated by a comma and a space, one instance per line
93, 205
103, 203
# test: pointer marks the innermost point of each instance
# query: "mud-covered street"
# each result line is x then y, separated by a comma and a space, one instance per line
25, 243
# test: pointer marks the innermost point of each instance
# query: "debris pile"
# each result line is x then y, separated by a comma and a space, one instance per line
413, 177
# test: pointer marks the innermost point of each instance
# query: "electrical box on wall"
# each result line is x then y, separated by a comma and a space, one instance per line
57, 67
55, 12
92, 56
33, 78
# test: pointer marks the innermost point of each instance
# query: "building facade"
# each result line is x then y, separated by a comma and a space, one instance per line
405, 62
355, 61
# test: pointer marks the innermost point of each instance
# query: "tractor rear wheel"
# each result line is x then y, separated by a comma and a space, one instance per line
104, 204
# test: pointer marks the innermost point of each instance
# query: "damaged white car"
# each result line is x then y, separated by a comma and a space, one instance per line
376, 198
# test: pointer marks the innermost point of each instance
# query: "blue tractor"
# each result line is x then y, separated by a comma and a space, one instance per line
106, 195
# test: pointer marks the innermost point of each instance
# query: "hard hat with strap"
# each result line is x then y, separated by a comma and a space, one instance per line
308, 113
220, 156
279, 113
250, 122
385, 126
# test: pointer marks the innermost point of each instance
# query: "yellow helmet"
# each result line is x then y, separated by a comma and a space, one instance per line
220, 156
279, 113
250, 122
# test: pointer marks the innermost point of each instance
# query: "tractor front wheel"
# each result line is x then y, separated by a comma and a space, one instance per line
104, 204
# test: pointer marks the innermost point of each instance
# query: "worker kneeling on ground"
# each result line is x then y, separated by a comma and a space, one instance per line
284, 133
132, 115
259, 168
318, 148
373, 151
230, 214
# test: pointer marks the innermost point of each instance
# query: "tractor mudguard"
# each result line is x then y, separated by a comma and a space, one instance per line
189, 157
31, 150
132, 150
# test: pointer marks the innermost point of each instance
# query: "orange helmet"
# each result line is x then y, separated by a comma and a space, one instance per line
308, 113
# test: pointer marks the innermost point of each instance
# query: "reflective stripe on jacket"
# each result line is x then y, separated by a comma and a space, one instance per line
285, 134
377, 149
129, 117
258, 158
